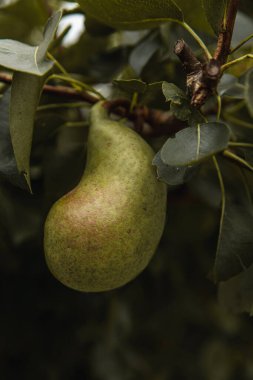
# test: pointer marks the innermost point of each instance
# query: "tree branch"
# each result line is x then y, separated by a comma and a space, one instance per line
225, 36
202, 78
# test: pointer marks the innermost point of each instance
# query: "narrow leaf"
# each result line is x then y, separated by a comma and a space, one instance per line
8, 166
49, 33
143, 52
195, 144
132, 14
18, 56
25, 95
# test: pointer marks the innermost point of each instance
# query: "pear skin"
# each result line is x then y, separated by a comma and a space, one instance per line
104, 232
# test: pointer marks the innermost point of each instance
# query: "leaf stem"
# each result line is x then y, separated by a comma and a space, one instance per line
238, 159
62, 70
223, 197
134, 101
237, 121
57, 64
196, 38
236, 107
241, 43
83, 86
74, 124
240, 144
61, 105
219, 103
236, 61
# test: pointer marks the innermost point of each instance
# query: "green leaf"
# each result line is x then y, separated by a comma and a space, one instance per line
25, 95
229, 85
215, 10
8, 166
131, 85
173, 93
235, 245
195, 16
18, 56
132, 14
249, 91
143, 52
195, 144
180, 104
170, 174
146, 91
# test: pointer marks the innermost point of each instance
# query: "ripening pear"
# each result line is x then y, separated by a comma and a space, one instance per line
104, 232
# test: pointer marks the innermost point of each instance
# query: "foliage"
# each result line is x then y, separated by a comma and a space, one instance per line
126, 55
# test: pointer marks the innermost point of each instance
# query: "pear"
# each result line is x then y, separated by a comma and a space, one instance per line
104, 232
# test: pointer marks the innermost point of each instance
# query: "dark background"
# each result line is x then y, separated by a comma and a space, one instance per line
165, 325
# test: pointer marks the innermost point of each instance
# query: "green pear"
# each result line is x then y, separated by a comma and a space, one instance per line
104, 232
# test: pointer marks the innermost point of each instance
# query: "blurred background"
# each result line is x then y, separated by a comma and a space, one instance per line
167, 324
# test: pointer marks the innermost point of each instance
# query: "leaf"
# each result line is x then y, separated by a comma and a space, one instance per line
131, 85
143, 52
195, 16
249, 91
25, 95
235, 245
230, 86
173, 93
132, 14
18, 56
170, 174
180, 104
215, 10
27, 16
146, 91
195, 144
8, 166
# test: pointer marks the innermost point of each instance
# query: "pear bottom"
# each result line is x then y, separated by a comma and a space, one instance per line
93, 248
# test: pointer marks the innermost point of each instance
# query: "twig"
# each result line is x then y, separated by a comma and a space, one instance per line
160, 122
63, 91
202, 78
225, 36
190, 62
